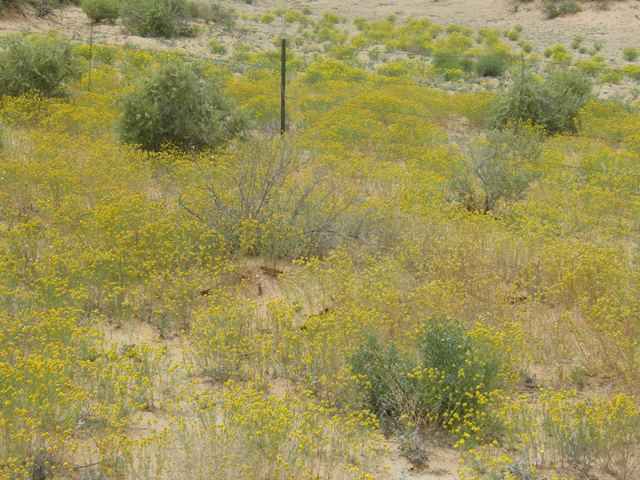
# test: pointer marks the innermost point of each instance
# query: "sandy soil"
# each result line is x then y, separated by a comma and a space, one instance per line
617, 28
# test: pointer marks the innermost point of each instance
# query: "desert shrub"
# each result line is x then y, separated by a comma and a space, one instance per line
212, 12
513, 35
491, 66
552, 103
466, 64
3, 133
631, 53
99, 10
444, 61
177, 104
271, 201
307, 11
443, 379
217, 47
267, 18
526, 47
611, 76
497, 168
556, 8
577, 40
154, 18
36, 63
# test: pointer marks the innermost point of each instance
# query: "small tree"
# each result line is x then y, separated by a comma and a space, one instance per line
36, 63
99, 10
178, 104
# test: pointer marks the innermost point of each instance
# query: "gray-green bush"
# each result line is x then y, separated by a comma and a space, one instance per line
445, 377
155, 18
552, 103
556, 8
491, 66
496, 168
35, 63
212, 12
178, 104
99, 10
271, 201
3, 134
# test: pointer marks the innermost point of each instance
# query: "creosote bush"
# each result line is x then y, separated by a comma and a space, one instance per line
631, 53
442, 380
497, 168
491, 66
212, 12
552, 103
36, 63
155, 18
177, 104
556, 8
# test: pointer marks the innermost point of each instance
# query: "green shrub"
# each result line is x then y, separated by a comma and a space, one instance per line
443, 379
3, 133
99, 10
36, 63
631, 53
496, 168
444, 61
155, 18
491, 66
212, 13
466, 64
577, 40
518, 28
217, 47
177, 104
556, 8
330, 17
267, 18
526, 47
307, 11
552, 103
583, 49
513, 35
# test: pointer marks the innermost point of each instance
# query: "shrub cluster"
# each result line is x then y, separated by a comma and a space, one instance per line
155, 18
496, 168
178, 104
557, 8
212, 12
444, 379
35, 63
552, 103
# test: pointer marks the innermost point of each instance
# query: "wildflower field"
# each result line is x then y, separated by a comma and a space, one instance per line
390, 275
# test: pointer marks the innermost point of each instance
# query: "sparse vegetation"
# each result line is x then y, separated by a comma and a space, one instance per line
631, 53
212, 12
426, 250
557, 8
